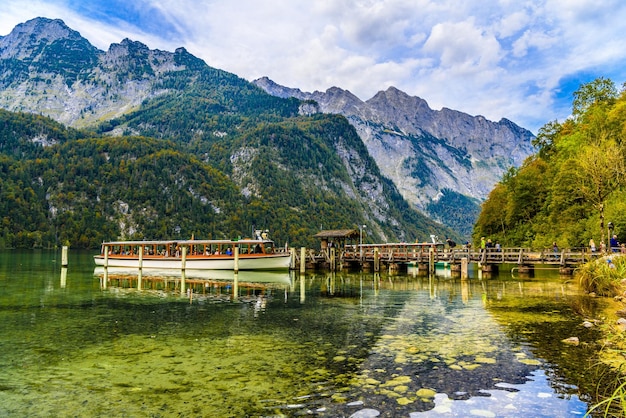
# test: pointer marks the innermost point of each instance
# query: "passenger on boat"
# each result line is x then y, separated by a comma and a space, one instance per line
229, 251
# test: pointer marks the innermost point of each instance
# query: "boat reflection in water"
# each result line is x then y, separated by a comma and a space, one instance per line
197, 284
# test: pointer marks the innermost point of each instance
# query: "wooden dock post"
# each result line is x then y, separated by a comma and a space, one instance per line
464, 268
64, 256
63, 277
140, 273
292, 263
235, 286
183, 262
431, 261
236, 266
105, 278
333, 261
376, 260
302, 259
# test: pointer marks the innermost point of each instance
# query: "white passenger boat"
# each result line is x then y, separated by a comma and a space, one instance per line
249, 254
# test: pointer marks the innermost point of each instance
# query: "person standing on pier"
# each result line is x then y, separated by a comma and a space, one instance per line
592, 246
614, 244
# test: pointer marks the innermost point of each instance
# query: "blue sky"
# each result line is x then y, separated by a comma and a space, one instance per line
507, 58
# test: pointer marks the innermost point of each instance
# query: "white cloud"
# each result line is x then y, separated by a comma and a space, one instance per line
463, 47
498, 59
512, 23
533, 39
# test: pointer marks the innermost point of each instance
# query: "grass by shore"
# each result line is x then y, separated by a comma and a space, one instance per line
606, 277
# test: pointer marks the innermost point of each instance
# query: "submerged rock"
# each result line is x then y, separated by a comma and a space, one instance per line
365, 413
426, 393
571, 340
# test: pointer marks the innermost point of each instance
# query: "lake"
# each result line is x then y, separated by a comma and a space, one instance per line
284, 344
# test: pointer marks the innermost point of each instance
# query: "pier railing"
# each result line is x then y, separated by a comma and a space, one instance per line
417, 253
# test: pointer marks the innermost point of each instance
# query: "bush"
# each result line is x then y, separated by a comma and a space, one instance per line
604, 275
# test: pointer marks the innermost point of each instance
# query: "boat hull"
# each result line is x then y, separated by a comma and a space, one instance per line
265, 262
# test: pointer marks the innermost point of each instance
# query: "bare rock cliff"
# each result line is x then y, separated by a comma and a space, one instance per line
424, 151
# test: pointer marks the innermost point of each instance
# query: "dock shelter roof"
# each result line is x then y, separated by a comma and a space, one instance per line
337, 234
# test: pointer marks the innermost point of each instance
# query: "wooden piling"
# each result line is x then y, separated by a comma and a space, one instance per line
464, 268
63, 277
64, 256
490, 268
431, 261
235, 286
105, 278
376, 260
302, 259
140, 273
183, 265
236, 266
526, 270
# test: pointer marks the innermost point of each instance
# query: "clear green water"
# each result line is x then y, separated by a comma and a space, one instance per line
322, 344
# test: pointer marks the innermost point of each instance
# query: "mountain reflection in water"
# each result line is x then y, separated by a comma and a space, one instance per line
320, 344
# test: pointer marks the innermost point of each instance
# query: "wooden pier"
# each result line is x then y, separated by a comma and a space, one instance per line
424, 256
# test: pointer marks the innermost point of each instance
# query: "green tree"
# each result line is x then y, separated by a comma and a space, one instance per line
603, 171
546, 138
599, 91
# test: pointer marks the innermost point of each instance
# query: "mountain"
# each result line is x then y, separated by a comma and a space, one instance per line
438, 159
155, 144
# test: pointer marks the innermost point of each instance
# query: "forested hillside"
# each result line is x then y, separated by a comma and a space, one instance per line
63, 186
574, 186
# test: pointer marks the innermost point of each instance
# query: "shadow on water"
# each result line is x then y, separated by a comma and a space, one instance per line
323, 344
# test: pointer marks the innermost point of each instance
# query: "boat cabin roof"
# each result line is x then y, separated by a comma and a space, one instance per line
193, 242
337, 233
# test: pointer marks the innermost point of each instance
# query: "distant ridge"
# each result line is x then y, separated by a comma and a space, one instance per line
429, 154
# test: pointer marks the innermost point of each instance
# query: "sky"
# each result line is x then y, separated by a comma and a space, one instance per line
514, 59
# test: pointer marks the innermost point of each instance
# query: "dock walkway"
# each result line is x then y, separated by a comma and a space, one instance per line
400, 255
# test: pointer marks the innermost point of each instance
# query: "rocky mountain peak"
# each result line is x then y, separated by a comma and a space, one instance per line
136, 58
426, 152
397, 99
276, 89
337, 100
128, 47
30, 41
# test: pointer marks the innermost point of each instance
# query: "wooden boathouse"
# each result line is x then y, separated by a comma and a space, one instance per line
334, 245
